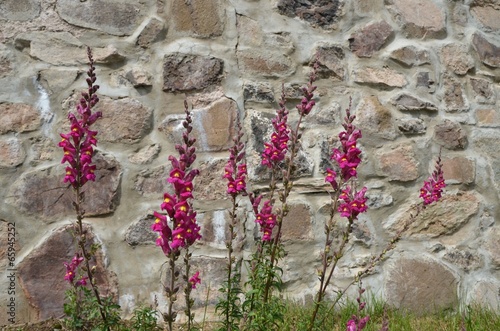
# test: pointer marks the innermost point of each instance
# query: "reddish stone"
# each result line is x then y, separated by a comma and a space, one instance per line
483, 90
459, 170
488, 117
264, 63
317, 12
331, 62
370, 39
154, 31
456, 58
209, 183
486, 12
11, 153
399, 164
297, 224
454, 94
384, 77
18, 117
411, 56
199, 18
489, 53
450, 135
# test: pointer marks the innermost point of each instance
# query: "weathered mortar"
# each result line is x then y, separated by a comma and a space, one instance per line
422, 74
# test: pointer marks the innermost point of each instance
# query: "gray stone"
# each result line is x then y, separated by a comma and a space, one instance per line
153, 182
154, 31
399, 164
18, 117
450, 135
331, 61
198, 18
113, 17
320, 13
407, 102
426, 82
140, 232
411, 56
11, 153
488, 52
186, 72
55, 80
145, 155
430, 22
378, 199
410, 125
485, 292
370, 39
258, 92
383, 78
421, 286
456, 58
483, 91
19, 10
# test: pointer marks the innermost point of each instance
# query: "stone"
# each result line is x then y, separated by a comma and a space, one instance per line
264, 62
331, 61
418, 19
383, 78
327, 115
249, 32
370, 39
368, 7
459, 170
420, 286
215, 228
145, 155
488, 118
187, 72
460, 15
42, 149
399, 164
124, 120
139, 77
378, 199
324, 14
154, 31
455, 99
411, 56
464, 259
41, 272
374, 119
485, 292
258, 92
426, 82
450, 135
483, 91
18, 117
42, 192
153, 182
213, 126
19, 10
113, 17
411, 126
11, 153
209, 184
198, 18
140, 233
488, 52
297, 224
408, 102
443, 218
55, 80
455, 57
487, 13
492, 246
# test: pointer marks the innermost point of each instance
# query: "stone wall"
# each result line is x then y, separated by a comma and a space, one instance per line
422, 75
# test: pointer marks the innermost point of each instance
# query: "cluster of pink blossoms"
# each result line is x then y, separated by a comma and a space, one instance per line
194, 280
275, 151
184, 230
77, 144
433, 187
236, 170
71, 271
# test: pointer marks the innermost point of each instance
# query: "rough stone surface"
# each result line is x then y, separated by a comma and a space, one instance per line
488, 117
455, 99
154, 31
209, 183
139, 77
11, 153
450, 135
421, 286
375, 119
140, 232
370, 39
458, 170
455, 57
331, 62
398, 164
418, 19
484, 92
152, 182
465, 259
45, 292
426, 82
258, 92
297, 224
385, 77
42, 149
18, 117
145, 155
407, 102
264, 63
492, 246
215, 229
488, 13
113, 17
488, 52
56, 80
411, 56
410, 125
19, 10
43, 193
486, 292
124, 120
199, 18
317, 12
185, 72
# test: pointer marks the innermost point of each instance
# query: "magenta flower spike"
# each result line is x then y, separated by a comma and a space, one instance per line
195, 279
433, 187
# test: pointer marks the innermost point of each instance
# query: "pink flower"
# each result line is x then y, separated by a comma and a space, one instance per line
71, 270
351, 325
236, 170
352, 202
275, 150
433, 187
195, 279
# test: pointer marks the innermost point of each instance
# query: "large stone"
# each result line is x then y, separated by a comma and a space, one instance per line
19, 10
199, 18
113, 17
411, 56
488, 117
455, 99
209, 184
331, 61
41, 272
399, 164
42, 192
123, 121
420, 285
488, 52
320, 13
55, 80
18, 117
11, 153
186, 72
384, 77
407, 102
154, 31
456, 58
140, 232
488, 13
483, 90
153, 182
145, 155
374, 119
450, 135
370, 39
459, 170
297, 224
442, 218
418, 19
264, 62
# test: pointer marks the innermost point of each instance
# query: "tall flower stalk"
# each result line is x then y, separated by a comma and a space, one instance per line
177, 227
78, 146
